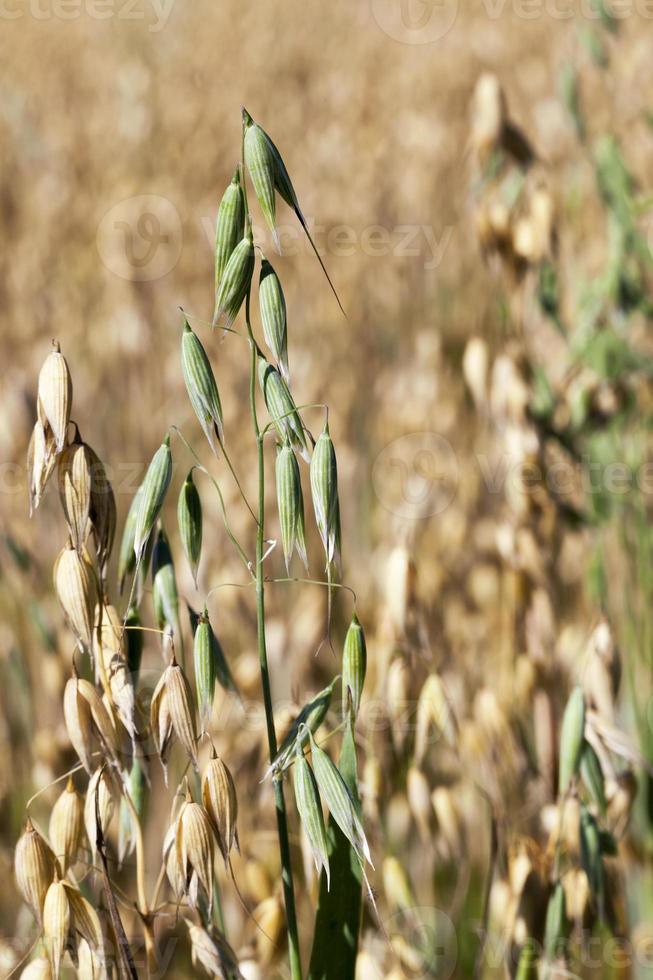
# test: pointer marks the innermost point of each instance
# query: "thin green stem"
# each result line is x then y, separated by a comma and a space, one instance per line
280, 804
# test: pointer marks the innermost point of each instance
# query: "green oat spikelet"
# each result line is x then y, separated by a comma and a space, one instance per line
354, 666
201, 387
229, 225
556, 927
127, 556
204, 660
260, 163
165, 596
189, 518
338, 799
281, 407
290, 504
235, 282
284, 186
154, 489
592, 775
324, 490
592, 858
571, 739
309, 808
307, 721
137, 788
273, 316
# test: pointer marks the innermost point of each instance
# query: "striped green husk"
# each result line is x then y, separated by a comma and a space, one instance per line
127, 556
527, 966
273, 316
281, 406
153, 492
324, 490
204, 660
571, 739
235, 282
309, 808
284, 186
200, 385
221, 667
229, 225
260, 163
591, 857
290, 503
282, 181
555, 930
354, 666
339, 801
308, 720
137, 788
592, 775
165, 597
189, 518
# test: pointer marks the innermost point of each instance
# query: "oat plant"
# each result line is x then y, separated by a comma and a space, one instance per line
68, 871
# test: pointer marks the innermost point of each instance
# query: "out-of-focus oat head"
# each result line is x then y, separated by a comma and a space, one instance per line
265, 714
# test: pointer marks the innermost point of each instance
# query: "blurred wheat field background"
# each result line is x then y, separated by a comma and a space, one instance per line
496, 356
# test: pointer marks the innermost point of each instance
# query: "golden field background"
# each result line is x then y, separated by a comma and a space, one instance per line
119, 136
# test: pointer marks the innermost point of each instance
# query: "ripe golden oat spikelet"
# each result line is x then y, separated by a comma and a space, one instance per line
38, 969
398, 690
56, 924
41, 462
221, 803
34, 864
84, 918
161, 723
396, 885
75, 481
213, 952
88, 722
103, 784
102, 512
110, 650
270, 918
76, 586
419, 801
172, 709
194, 843
66, 826
55, 395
